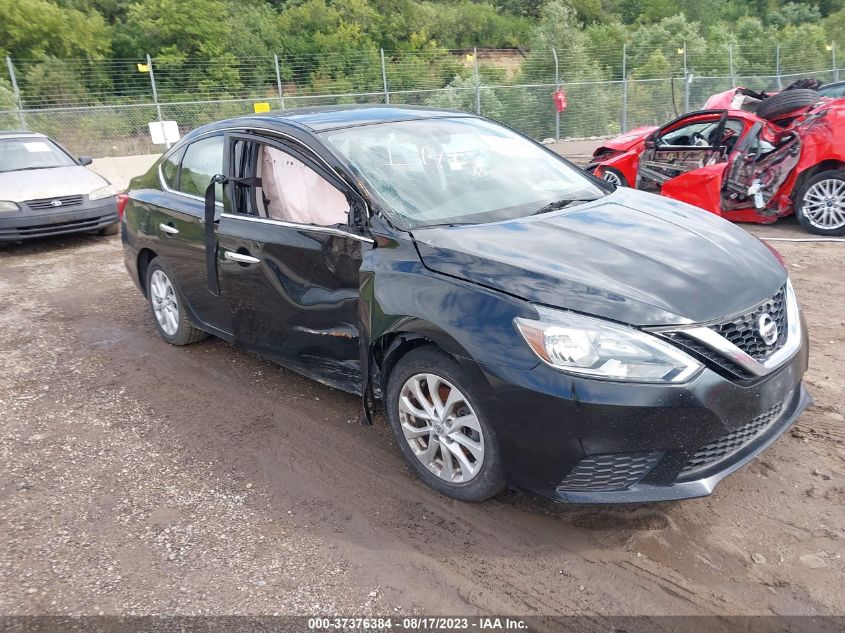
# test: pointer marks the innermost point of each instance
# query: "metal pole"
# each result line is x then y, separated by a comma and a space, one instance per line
833, 59
477, 81
624, 88
731, 62
777, 66
557, 87
384, 77
279, 81
155, 98
686, 81
17, 92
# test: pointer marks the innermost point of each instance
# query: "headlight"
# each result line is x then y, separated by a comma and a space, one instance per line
601, 349
102, 192
6, 205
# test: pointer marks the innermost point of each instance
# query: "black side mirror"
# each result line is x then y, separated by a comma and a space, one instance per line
85, 160
649, 142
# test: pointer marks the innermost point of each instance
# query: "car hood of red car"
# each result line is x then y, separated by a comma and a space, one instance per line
631, 256
624, 142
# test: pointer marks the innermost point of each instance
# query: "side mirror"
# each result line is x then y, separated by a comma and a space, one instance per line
85, 160
649, 142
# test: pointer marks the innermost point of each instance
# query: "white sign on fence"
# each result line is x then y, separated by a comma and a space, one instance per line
164, 132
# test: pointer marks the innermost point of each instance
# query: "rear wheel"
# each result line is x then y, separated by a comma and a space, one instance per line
171, 321
820, 203
441, 426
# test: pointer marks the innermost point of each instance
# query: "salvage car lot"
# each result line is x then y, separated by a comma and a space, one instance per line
269, 497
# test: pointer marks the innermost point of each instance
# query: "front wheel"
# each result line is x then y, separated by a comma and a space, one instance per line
442, 427
614, 177
820, 203
171, 321
111, 229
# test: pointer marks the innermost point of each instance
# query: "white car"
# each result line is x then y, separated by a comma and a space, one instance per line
46, 191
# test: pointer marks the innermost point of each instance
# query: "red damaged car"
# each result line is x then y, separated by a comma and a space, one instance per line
749, 157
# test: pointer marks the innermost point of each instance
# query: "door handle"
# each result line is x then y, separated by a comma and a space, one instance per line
240, 257
168, 228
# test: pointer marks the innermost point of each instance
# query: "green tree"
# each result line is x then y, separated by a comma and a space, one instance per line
35, 29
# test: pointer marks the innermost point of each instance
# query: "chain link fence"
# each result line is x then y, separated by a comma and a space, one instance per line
103, 108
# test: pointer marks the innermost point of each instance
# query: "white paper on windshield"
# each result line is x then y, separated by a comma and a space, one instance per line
37, 146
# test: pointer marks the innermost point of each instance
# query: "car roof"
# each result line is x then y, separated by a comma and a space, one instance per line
323, 118
20, 134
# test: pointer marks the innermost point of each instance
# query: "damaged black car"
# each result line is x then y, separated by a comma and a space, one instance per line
520, 321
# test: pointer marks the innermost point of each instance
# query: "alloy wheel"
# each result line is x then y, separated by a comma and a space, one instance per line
612, 177
824, 204
441, 428
165, 305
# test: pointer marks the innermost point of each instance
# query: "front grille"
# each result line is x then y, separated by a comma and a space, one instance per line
721, 364
730, 443
48, 203
743, 330
609, 472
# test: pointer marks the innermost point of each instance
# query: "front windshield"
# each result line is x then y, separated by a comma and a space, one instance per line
33, 152
458, 171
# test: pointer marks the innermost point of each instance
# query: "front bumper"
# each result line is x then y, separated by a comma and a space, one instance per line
590, 441
28, 224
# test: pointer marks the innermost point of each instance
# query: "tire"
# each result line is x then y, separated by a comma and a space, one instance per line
785, 102
811, 203
614, 177
111, 229
479, 475
171, 322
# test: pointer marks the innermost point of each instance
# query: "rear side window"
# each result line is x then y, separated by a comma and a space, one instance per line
170, 168
203, 160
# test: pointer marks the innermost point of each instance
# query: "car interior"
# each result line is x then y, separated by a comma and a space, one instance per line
289, 190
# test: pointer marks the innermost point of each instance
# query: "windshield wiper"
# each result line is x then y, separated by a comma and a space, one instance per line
560, 204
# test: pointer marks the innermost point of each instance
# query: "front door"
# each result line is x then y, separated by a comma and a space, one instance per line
691, 142
288, 262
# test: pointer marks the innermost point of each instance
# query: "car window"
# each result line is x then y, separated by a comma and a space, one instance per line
289, 190
457, 171
833, 90
203, 159
170, 167
701, 134
24, 153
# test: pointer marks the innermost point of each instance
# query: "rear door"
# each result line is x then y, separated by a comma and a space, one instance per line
759, 167
290, 277
688, 143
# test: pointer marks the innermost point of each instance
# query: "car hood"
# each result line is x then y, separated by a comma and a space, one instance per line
34, 184
632, 257
624, 142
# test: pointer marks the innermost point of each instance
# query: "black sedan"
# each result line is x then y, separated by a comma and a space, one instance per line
521, 321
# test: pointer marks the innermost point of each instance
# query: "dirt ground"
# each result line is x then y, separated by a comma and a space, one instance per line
137, 478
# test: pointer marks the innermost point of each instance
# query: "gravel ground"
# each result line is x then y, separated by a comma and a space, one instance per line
140, 478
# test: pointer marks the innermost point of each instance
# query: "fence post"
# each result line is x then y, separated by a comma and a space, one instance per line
624, 87
477, 81
155, 97
686, 81
557, 87
18, 102
279, 81
384, 77
731, 62
777, 66
833, 60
